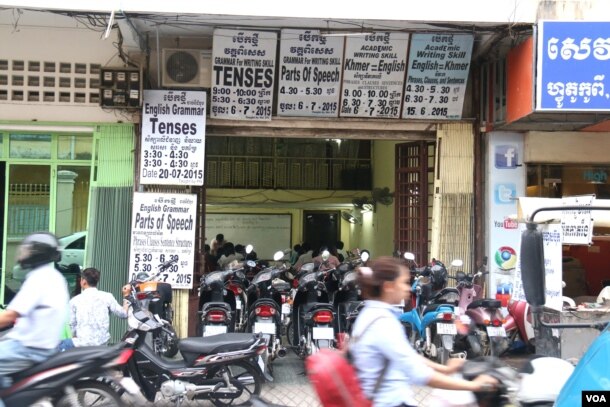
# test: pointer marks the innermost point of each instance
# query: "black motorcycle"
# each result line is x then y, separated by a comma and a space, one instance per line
313, 315
348, 299
81, 376
219, 368
265, 311
222, 302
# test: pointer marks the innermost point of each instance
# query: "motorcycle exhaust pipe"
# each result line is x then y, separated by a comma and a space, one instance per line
281, 352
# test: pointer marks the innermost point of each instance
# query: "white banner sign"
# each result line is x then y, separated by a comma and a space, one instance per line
172, 150
373, 75
163, 228
437, 76
551, 236
310, 74
577, 226
243, 68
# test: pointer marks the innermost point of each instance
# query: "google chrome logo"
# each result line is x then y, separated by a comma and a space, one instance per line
506, 258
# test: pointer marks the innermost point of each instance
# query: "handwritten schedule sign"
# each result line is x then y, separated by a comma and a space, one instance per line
437, 75
373, 75
577, 226
172, 150
573, 62
243, 70
162, 229
310, 74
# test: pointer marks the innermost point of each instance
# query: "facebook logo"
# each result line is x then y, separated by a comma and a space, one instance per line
505, 193
506, 156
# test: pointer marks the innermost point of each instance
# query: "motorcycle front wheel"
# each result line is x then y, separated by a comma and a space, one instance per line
94, 394
243, 376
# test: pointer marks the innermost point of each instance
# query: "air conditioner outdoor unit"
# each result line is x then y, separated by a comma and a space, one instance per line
186, 68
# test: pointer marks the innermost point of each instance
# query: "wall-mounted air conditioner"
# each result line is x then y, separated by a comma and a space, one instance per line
186, 68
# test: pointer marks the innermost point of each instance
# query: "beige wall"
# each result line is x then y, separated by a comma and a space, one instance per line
566, 147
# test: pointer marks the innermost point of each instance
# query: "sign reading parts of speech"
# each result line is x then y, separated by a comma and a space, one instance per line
243, 71
437, 76
310, 74
373, 75
172, 149
572, 72
162, 229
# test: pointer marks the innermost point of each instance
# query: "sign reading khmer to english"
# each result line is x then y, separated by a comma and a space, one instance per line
573, 66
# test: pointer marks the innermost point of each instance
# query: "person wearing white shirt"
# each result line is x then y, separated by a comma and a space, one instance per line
38, 311
383, 347
89, 313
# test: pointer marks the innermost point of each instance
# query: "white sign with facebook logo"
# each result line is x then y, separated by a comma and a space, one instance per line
505, 183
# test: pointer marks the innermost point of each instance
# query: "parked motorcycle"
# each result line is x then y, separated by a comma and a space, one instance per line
222, 302
219, 368
519, 325
265, 311
156, 296
348, 299
487, 333
313, 314
77, 377
430, 324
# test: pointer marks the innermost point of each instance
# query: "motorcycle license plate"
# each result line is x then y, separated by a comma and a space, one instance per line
285, 308
264, 328
446, 329
323, 333
237, 303
496, 331
210, 330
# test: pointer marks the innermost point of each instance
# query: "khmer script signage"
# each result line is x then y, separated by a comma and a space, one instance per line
573, 66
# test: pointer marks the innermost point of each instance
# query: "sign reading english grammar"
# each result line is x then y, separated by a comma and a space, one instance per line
573, 66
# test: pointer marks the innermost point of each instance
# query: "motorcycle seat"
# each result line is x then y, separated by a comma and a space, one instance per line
217, 343
433, 307
485, 303
73, 355
316, 305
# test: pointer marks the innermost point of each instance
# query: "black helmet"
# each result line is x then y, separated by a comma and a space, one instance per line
438, 275
37, 249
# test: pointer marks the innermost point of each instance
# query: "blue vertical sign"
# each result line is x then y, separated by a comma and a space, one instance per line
573, 71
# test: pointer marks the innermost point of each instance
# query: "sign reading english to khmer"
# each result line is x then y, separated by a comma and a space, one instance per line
437, 75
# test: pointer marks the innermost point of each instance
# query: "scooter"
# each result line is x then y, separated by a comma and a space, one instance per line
77, 377
156, 296
220, 302
265, 311
348, 299
220, 368
430, 324
313, 314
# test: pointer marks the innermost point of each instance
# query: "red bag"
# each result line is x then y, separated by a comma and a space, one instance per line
335, 379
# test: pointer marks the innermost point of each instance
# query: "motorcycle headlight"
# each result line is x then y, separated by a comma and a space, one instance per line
261, 276
214, 277
307, 278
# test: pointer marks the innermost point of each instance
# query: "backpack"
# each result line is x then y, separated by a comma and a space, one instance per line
335, 380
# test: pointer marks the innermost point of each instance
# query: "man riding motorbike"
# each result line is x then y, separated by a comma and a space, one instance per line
39, 310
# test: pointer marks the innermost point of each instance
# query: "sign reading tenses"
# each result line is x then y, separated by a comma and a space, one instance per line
172, 149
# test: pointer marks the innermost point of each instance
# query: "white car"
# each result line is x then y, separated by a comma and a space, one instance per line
73, 248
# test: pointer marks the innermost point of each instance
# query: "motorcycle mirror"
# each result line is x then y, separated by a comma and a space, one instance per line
532, 265
325, 255
460, 276
278, 255
251, 263
408, 256
364, 256
249, 248
457, 263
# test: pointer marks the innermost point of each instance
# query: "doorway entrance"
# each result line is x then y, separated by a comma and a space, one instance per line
321, 228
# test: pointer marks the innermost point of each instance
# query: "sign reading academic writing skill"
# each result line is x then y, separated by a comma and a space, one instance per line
373, 75
243, 68
437, 75
163, 229
173, 134
573, 60
310, 74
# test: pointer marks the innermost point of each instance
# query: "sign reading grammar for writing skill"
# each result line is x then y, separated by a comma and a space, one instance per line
162, 229
172, 148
